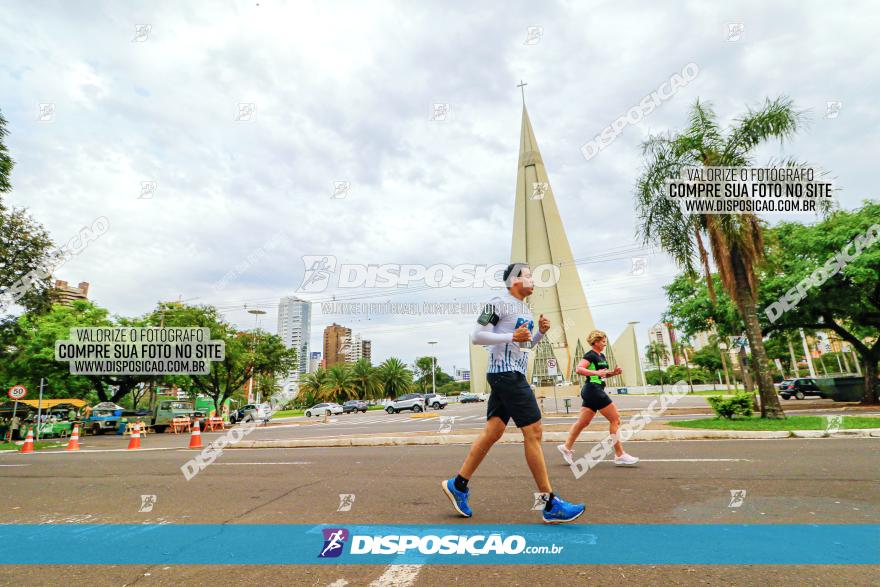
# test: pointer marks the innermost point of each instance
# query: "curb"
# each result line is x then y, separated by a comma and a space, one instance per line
515, 438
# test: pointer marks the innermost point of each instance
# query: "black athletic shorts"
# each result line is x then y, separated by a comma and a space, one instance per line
594, 396
512, 397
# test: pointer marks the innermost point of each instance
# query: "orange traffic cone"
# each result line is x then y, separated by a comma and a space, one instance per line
73, 443
28, 445
135, 441
195, 439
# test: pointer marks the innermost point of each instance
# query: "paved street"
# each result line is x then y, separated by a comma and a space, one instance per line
790, 481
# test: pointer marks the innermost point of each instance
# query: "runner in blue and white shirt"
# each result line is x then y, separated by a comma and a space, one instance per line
506, 326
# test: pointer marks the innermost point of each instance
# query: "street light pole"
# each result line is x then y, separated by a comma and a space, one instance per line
433, 367
256, 314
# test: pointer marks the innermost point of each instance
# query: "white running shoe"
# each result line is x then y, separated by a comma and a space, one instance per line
626, 460
567, 454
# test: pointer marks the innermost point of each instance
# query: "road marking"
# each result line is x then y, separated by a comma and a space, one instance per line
270, 463
94, 450
398, 576
687, 460
14, 465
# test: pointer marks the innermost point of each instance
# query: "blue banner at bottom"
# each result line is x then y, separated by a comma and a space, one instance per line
618, 544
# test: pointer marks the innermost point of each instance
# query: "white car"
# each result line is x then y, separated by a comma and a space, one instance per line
326, 409
483, 397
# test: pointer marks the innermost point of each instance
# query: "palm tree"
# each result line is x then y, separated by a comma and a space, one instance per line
656, 353
311, 385
736, 240
681, 348
395, 377
339, 386
366, 380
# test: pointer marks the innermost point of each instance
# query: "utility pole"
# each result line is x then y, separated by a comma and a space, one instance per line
433, 367
807, 353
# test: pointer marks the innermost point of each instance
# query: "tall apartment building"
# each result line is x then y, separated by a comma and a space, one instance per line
295, 328
360, 348
337, 344
66, 294
662, 332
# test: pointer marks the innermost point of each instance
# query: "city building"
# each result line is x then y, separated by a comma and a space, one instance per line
337, 345
314, 361
65, 294
700, 340
663, 333
295, 328
359, 348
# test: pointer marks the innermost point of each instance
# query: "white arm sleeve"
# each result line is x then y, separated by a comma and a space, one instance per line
537, 337
483, 335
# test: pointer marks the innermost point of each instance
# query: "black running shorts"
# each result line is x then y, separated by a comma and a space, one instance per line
512, 397
594, 396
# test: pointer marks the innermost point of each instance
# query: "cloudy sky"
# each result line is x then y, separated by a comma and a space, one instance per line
136, 92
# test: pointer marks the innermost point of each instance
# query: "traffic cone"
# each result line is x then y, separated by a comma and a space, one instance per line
73, 443
195, 439
135, 441
28, 445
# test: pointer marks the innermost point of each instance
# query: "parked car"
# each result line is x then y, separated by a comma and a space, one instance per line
410, 401
483, 397
354, 405
436, 401
467, 398
326, 409
799, 388
257, 412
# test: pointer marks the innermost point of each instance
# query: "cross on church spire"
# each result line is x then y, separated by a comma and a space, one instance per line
521, 86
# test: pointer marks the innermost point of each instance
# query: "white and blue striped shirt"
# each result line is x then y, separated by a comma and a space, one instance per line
504, 354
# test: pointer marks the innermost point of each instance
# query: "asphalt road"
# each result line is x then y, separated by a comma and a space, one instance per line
466, 418
789, 481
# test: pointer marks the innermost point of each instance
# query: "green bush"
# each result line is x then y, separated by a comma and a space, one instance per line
729, 407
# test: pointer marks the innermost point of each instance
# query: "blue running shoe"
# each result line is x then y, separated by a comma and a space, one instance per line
458, 498
561, 511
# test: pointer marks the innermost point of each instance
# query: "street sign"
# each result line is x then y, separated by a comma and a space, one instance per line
17, 392
551, 367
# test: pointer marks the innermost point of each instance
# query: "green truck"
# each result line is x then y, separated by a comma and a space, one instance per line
111, 418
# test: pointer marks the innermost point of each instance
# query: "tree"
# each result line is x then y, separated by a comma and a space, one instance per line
848, 300
681, 348
310, 386
25, 247
395, 377
247, 353
735, 240
656, 353
339, 385
31, 354
366, 380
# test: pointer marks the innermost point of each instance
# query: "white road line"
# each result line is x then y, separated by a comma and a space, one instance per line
687, 460
270, 463
14, 465
94, 450
398, 576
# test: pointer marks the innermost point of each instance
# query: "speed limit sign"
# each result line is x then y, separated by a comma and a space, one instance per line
17, 392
